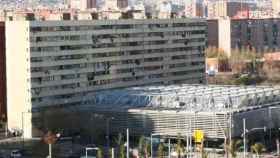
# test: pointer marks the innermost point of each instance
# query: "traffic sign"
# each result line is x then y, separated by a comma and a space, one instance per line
198, 136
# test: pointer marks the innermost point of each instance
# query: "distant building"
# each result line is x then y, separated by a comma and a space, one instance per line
75, 4
61, 63
19, 16
109, 5
122, 3
164, 10
259, 34
217, 9
91, 4
193, 8
226, 9
83, 4
111, 14
234, 7
253, 14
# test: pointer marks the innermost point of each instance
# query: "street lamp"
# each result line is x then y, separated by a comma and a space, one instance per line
87, 149
50, 138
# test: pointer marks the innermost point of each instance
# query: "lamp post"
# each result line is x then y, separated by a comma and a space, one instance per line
108, 133
87, 149
127, 143
101, 116
244, 138
245, 131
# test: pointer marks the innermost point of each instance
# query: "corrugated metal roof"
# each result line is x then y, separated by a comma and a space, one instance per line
188, 97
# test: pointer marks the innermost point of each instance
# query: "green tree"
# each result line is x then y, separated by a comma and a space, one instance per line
110, 153
258, 148
147, 149
141, 146
99, 153
179, 146
161, 150
119, 139
245, 60
204, 154
120, 146
213, 52
122, 151
144, 147
233, 147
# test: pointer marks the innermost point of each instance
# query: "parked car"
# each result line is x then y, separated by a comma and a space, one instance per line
16, 154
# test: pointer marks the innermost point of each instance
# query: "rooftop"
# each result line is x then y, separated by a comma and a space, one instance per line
203, 98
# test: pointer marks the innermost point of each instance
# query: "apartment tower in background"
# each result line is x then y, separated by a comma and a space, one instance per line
261, 35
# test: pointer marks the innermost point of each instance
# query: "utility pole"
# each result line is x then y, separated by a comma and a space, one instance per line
107, 135
244, 137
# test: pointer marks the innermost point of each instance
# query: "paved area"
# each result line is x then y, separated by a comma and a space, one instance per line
35, 148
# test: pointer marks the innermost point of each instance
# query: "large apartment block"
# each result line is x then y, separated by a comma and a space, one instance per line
60, 63
259, 34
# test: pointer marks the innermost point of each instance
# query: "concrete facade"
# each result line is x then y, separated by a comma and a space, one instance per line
59, 63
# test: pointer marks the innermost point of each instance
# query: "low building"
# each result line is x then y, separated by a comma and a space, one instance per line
58, 63
184, 108
173, 109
